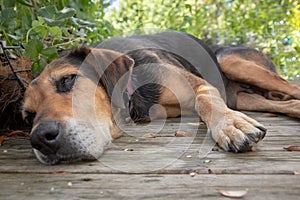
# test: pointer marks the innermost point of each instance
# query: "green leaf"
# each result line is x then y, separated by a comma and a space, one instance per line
55, 32
65, 13
50, 53
48, 11
25, 3
43, 62
33, 48
297, 49
41, 30
7, 15
35, 68
52, 22
9, 3
26, 22
14, 37
35, 23
80, 22
38, 22
12, 25
189, 7
38, 66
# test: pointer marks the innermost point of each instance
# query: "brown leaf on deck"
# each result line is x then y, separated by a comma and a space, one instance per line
17, 132
150, 135
184, 134
292, 148
1, 140
233, 194
61, 172
297, 172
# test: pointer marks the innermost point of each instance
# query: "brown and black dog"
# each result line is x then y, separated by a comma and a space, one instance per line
72, 104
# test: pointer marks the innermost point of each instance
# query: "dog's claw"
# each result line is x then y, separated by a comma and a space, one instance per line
254, 137
263, 129
233, 148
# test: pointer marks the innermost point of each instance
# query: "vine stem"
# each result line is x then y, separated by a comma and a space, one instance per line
20, 82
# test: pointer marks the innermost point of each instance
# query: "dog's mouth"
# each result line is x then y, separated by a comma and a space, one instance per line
53, 159
69, 142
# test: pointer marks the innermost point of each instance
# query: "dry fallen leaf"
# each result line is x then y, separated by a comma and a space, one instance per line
150, 135
184, 134
13, 133
61, 172
297, 172
232, 193
18, 132
292, 148
1, 140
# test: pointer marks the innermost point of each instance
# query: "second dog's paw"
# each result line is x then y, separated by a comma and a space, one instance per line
237, 132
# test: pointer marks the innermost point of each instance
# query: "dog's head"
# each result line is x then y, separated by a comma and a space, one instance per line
69, 104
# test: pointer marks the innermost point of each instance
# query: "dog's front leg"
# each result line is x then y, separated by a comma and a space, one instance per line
232, 130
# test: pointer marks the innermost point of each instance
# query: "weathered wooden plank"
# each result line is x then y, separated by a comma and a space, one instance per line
151, 186
158, 168
152, 154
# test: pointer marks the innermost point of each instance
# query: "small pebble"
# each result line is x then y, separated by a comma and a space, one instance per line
192, 174
70, 183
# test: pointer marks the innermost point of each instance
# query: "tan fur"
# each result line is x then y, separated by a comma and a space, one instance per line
245, 71
255, 102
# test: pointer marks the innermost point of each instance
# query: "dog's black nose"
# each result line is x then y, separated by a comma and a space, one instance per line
46, 137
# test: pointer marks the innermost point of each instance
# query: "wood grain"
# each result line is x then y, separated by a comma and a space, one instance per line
159, 167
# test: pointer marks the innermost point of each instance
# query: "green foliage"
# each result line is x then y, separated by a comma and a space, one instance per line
47, 27
272, 26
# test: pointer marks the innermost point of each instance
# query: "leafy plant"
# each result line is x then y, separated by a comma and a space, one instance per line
46, 27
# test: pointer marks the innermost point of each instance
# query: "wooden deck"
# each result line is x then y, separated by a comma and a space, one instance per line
139, 166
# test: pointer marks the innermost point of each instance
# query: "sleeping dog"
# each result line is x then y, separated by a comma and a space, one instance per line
73, 103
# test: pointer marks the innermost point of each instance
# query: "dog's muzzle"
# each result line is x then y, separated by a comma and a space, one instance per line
55, 142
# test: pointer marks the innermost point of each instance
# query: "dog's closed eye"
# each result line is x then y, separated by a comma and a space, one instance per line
66, 83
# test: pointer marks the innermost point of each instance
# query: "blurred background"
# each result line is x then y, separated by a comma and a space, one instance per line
47, 27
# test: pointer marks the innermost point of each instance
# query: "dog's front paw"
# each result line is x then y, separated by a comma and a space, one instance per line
237, 133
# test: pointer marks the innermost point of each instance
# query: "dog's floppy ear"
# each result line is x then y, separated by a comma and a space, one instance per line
110, 69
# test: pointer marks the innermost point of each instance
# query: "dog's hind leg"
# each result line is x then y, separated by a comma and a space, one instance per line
255, 102
246, 71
